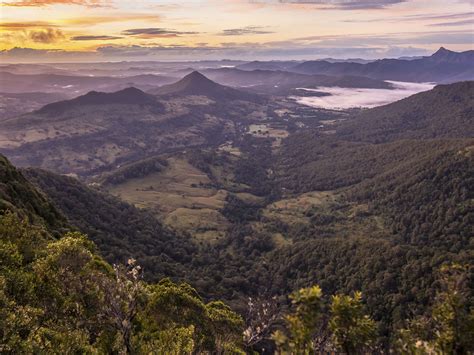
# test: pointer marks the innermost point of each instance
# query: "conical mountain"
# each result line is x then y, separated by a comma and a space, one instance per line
197, 84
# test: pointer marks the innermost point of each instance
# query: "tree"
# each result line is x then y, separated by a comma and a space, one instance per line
59, 296
122, 296
353, 331
449, 329
226, 327
302, 324
261, 317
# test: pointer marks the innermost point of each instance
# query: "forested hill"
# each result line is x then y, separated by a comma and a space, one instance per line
19, 195
428, 201
445, 112
119, 229
403, 134
403, 174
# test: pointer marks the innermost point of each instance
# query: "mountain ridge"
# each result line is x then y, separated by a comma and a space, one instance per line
128, 96
442, 67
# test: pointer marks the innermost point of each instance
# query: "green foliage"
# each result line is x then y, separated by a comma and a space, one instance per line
173, 341
302, 324
118, 229
353, 331
226, 328
20, 196
170, 306
59, 296
450, 327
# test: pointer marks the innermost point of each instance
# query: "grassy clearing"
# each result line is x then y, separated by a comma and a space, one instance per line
266, 131
203, 223
181, 196
229, 148
296, 210
321, 211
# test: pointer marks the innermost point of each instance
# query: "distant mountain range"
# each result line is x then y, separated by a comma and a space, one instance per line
444, 66
74, 85
280, 82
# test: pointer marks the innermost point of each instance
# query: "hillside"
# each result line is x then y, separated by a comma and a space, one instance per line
427, 202
378, 139
15, 104
119, 230
444, 66
18, 195
59, 295
129, 96
97, 132
197, 84
444, 112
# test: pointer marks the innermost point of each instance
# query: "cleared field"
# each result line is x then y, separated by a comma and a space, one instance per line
181, 196
266, 131
205, 224
295, 210
229, 148
321, 211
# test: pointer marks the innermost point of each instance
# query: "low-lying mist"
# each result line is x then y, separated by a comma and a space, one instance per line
345, 98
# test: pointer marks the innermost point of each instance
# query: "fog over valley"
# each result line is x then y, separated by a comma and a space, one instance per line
338, 98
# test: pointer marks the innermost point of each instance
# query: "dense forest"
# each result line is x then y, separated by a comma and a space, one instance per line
58, 295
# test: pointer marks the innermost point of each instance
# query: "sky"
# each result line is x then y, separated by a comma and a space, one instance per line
113, 30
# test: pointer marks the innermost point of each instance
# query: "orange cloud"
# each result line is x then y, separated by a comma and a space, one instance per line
16, 26
89, 3
48, 35
155, 33
94, 20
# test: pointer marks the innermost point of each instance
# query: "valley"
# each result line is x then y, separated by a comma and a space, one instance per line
226, 180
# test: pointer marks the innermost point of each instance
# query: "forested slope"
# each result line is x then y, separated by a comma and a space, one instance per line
119, 229
19, 195
57, 295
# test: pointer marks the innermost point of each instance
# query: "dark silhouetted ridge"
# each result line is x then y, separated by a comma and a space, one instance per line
444, 66
128, 96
